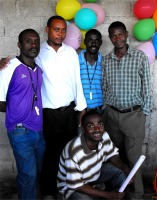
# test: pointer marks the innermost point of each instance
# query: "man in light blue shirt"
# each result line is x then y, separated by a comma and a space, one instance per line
91, 70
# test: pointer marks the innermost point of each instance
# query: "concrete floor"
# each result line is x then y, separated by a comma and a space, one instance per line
8, 187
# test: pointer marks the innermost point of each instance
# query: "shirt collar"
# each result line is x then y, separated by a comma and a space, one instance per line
83, 60
46, 45
129, 52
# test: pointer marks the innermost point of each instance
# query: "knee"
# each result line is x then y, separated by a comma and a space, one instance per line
27, 178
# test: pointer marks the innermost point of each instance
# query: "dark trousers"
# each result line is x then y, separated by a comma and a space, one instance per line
59, 127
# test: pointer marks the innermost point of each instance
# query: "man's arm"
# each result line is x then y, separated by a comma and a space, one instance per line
117, 162
146, 86
4, 62
89, 190
2, 106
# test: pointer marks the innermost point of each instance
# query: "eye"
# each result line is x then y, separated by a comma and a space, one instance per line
101, 124
64, 30
28, 41
90, 126
56, 29
37, 42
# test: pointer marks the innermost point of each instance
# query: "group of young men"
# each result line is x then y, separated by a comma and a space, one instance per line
48, 94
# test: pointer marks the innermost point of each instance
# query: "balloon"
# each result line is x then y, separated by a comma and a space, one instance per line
91, 1
98, 10
149, 50
155, 18
144, 9
154, 1
83, 33
67, 8
73, 36
85, 18
144, 29
154, 41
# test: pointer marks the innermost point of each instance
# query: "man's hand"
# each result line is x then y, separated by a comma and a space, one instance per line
114, 195
4, 62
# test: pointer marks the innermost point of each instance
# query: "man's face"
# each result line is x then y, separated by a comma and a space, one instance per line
30, 45
56, 32
93, 128
118, 37
93, 43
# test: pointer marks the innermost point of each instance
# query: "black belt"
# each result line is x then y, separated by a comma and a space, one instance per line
64, 107
127, 109
96, 108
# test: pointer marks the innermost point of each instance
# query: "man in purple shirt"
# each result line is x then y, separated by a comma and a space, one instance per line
20, 97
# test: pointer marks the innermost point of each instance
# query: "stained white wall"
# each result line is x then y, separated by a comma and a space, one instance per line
16, 15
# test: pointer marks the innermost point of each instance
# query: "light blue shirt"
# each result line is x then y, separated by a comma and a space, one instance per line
91, 78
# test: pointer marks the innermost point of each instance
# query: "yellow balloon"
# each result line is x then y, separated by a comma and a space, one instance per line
83, 33
67, 8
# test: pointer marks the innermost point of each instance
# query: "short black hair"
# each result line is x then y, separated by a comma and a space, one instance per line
93, 31
116, 24
53, 18
24, 32
87, 114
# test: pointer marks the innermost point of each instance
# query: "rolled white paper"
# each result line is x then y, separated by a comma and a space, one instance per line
132, 173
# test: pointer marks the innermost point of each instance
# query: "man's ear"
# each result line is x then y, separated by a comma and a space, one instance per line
127, 33
19, 45
82, 128
46, 29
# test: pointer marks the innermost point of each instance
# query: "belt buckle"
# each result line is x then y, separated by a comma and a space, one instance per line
62, 108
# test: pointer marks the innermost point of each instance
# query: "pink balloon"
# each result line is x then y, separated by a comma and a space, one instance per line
149, 50
73, 36
98, 10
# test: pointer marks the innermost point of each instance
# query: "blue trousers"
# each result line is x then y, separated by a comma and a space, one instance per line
110, 175
28, 148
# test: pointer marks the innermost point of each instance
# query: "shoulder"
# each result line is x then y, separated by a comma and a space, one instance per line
69, 49
106, 138
72, 148
137, 53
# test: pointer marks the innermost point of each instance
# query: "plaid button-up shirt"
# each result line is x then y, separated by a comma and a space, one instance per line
127, 82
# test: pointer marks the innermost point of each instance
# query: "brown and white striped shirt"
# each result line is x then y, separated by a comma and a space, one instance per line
79, 165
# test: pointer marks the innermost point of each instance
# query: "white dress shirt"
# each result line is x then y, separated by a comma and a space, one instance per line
61, 77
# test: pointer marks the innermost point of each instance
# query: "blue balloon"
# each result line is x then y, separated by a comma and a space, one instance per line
154, 42
85, 18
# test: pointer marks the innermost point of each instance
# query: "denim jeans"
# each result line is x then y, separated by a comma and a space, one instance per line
28, 148
110, 175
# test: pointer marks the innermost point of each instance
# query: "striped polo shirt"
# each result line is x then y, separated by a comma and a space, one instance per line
91, 78
79, 165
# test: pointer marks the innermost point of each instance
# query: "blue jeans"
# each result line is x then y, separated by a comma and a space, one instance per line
110, 175
28, 148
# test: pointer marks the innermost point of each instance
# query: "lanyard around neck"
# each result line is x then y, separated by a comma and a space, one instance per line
91, 79
35, 98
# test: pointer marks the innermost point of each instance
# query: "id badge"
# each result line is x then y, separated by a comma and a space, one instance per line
90, 95
37, 110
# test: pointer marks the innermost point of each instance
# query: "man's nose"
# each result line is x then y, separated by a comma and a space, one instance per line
96, 128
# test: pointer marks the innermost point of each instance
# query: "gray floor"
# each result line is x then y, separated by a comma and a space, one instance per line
8, 187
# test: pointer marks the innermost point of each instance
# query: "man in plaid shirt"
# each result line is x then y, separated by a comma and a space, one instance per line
127, 99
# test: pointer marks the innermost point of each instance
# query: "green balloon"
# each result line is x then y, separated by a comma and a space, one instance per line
91, 1
144, 29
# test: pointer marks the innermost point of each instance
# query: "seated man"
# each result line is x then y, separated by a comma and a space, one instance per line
88, 160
